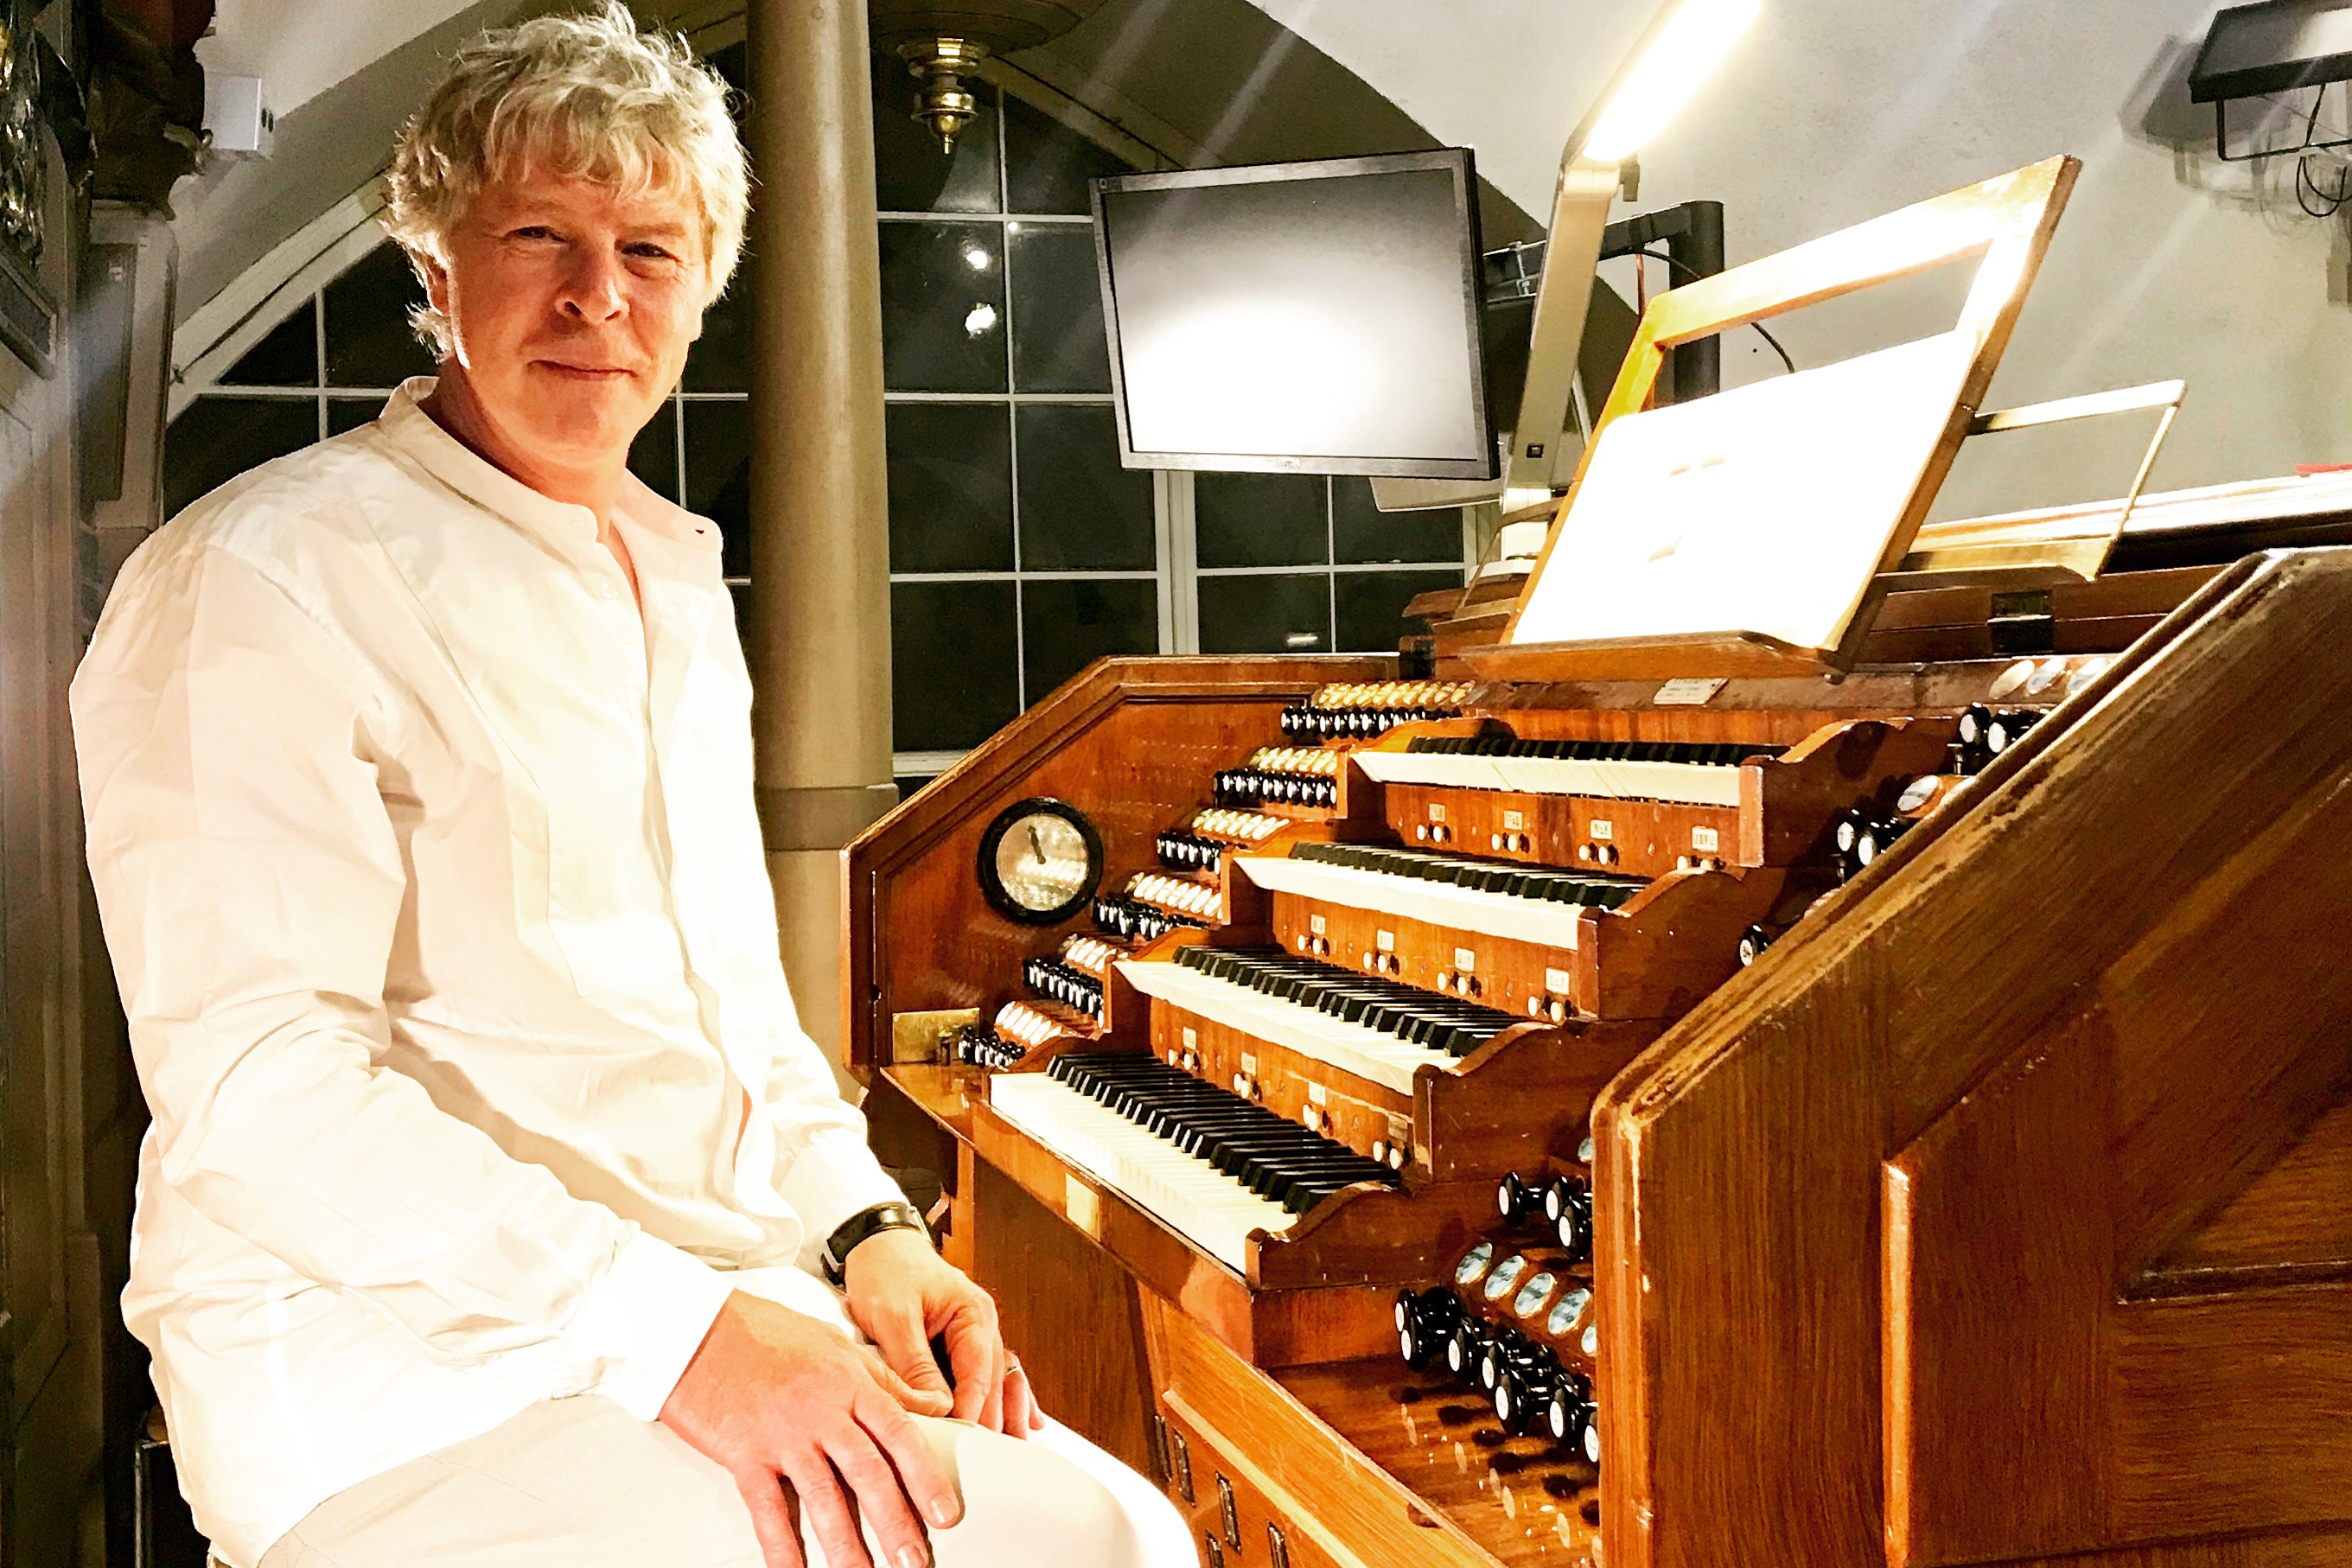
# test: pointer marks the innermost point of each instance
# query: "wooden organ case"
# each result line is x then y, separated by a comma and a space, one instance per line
1687, 1101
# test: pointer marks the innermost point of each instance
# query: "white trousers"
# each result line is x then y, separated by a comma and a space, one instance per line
581, 1483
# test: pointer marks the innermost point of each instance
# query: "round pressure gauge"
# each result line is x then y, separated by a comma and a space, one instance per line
1040, 861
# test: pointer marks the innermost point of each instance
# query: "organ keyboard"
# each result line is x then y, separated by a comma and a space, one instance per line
1630, 1121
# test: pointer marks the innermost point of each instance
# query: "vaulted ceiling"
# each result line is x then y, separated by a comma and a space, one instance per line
1830, 112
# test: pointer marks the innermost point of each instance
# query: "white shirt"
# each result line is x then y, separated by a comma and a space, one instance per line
436, 895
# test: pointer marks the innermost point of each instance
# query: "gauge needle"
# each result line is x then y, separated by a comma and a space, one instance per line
1036, 844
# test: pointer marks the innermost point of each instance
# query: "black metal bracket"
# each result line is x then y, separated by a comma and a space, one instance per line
2308, 144
1693, 235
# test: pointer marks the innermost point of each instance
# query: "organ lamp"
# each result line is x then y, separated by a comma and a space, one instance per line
1686, 41
944, 42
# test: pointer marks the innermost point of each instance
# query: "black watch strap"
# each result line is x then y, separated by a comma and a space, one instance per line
867, 1223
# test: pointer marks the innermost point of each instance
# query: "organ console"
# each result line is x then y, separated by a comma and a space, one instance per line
1580, 1108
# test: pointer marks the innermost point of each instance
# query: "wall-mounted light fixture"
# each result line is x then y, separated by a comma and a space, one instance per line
1683, 44
944, 42
2275, 47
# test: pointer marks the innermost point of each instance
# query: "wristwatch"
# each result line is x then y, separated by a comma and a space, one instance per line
867, 1223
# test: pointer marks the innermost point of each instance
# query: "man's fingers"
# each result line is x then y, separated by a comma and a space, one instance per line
907, 1350
771, 1519
1022, 1415
922, 1475
977, 1353
929, 1401
881, 1499
828, 1514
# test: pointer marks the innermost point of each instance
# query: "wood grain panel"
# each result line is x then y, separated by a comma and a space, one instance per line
1525, 1500
1245, 1508
1741, 1157
2295, 1218
2232, 1412
1361, 1505
2254, 1549
1649, 958
1136, 742
1998, 1248
1054, 1290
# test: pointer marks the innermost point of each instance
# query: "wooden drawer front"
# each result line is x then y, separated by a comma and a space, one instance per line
1631, 837
1239, 1519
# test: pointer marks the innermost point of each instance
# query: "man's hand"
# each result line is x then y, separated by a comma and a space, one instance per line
902, 1294
774, 1395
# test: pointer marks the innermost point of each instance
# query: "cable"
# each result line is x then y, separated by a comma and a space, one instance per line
1694, 274
2333, 200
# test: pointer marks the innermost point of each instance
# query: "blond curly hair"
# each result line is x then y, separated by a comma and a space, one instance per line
586, 96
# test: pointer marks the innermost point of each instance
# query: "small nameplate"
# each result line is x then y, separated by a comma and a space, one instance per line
1317, 1094
1601, 830
1685, 693
1315, 924
1191, 1039
1555, 981
1514, 820
1249, 1063
1385, 940
1082, 1205
1706, 840
1436, 811
1464, 960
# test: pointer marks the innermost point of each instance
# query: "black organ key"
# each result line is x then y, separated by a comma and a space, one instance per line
1689, 753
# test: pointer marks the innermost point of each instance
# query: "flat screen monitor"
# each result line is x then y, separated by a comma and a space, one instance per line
1298, 318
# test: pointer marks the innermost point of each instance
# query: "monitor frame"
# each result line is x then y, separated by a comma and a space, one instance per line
1455, 161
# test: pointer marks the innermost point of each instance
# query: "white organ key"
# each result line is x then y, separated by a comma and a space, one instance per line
1413, 897
1351, 1047
1683, 784
1209, 1208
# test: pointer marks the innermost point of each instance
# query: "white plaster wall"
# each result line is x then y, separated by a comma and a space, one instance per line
1830, 112
303, 48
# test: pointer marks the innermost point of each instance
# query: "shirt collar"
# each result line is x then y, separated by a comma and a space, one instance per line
408, 428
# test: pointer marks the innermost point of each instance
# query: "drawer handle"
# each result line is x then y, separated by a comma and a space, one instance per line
1216, 1548
1183, 1464
1276, 1548
1233, 1515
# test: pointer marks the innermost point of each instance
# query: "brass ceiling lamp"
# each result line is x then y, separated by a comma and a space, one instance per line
943, 41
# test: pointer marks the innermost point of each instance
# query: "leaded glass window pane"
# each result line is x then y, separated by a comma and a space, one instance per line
951, 487
1259, 520
1360, 532
1266, 613
1058, 343
943, 307
368, 340
1370, 606
1067, 623
954, 665
288, 355
1080, 511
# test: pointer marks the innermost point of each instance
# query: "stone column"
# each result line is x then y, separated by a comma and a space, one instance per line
819, 634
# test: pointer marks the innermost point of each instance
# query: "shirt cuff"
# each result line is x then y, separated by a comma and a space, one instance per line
834, 1176
643, 1322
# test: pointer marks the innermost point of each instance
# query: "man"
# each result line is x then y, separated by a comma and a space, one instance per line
492, 1176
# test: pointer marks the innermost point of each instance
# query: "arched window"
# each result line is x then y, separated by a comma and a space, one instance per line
1020, 549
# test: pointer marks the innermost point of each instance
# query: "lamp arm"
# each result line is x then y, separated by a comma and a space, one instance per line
1572, 251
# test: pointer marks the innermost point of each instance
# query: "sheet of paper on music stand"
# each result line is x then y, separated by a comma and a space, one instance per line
1764, 508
